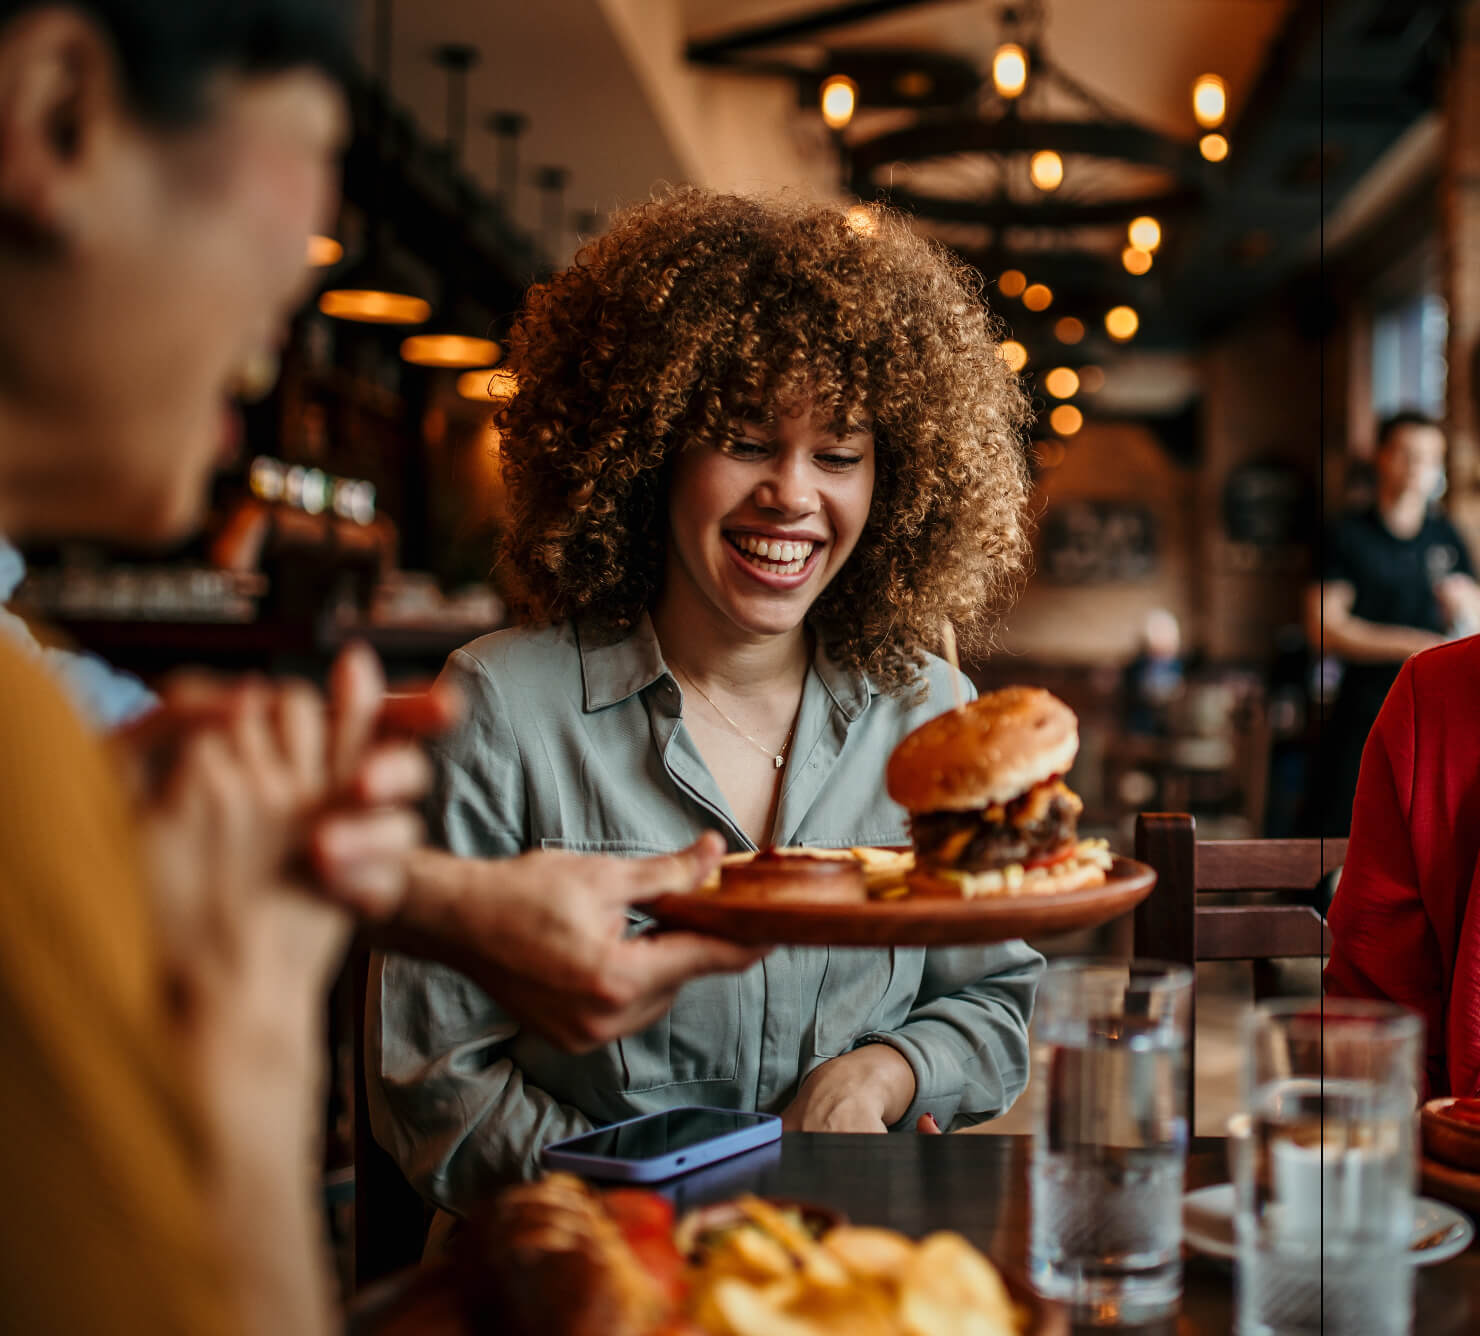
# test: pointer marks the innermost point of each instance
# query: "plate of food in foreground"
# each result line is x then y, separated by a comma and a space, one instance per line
557, 1258
996, 850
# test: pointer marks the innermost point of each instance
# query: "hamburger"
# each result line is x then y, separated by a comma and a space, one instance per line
990, 813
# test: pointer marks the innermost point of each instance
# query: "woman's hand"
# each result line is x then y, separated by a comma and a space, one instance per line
867, 1090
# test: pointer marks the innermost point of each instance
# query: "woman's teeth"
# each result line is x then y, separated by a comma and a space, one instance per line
773, 555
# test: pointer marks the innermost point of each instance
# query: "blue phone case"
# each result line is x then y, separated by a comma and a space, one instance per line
767, 1128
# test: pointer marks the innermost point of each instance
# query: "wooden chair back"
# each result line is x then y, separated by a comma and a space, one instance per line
1261, 914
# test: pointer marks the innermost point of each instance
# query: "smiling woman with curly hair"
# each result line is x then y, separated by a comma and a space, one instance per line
698, 313
760, 450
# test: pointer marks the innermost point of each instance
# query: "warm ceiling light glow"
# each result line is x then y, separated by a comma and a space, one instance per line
1037, 297
839, 100
1135, 260
323, 251
1050, 454
1144, 233
449, 350
1012, 283
1061, 382
1010, 70
1121, 323
1069, 330
863, 220
1013, 353
374, 308
1209, 101
1091, 379
1066, 419
488, 384
1213, 147
1046, 170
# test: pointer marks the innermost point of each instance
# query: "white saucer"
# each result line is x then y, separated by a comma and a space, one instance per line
1207, 1225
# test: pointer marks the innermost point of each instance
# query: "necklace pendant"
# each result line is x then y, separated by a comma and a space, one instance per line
780, 759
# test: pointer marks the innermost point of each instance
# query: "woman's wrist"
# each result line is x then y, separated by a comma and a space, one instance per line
889, 1075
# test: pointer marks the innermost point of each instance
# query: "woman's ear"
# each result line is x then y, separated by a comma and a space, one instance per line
59, 103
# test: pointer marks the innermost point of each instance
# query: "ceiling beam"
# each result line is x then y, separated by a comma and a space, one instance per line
724, 48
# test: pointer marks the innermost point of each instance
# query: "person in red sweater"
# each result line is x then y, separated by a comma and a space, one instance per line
1403, 923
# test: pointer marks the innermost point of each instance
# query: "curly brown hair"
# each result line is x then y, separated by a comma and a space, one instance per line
699, 311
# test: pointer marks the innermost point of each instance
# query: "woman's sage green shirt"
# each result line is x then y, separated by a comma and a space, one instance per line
576, 743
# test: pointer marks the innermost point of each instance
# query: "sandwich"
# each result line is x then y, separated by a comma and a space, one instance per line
990, 813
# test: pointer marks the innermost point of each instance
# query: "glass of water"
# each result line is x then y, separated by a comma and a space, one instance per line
1323, 1179
1110, 1137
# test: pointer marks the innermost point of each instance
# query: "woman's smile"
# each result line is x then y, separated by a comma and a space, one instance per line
761, 523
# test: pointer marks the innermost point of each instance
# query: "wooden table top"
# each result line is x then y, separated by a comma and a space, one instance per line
977, 1185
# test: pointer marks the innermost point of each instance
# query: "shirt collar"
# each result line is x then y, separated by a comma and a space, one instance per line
851, 692
614, 669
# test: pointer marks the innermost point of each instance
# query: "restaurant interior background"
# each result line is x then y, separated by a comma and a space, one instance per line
1215, 286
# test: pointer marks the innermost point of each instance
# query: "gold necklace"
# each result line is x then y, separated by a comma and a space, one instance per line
778, 758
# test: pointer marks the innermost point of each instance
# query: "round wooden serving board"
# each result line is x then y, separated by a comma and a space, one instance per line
910, 920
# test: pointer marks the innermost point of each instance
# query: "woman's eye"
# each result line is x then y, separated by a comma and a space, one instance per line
745, 449
839, 462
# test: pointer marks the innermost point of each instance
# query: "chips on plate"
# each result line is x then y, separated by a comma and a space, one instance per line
769, 1277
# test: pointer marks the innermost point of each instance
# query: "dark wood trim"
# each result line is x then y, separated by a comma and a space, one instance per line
1258, 932
1266, 865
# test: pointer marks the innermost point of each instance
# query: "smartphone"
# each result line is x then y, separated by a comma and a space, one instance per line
659, 1145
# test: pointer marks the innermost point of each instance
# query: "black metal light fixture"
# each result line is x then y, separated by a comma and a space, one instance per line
507, 127
371, 291
449, 345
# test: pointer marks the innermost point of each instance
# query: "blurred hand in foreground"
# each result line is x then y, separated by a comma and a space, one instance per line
357, 769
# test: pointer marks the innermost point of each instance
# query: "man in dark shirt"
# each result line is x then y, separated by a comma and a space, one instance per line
1395, 579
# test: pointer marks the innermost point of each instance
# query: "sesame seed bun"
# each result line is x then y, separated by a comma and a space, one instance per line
990, 751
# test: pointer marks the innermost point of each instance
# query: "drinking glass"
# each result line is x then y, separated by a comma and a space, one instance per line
1323, 1181
1110, 1137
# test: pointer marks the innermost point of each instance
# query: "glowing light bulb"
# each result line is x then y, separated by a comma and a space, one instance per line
1213, 147
1121, 323
1038, 297
1066, 419
1144, 233
1209, 100
1135, 260
1069, 330
323, 251
1091, 379
489, 385
863, 220
449, 350
1061, 382
1013, 353
1012, 282
1010, 70
839, 100
1046, 170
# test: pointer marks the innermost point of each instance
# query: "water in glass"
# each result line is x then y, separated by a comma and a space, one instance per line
1109, 1149
1324, 1227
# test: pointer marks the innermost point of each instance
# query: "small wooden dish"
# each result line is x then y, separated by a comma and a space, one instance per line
1449, 1140
1446, 1183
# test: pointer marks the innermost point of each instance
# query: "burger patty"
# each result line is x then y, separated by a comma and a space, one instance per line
983, 840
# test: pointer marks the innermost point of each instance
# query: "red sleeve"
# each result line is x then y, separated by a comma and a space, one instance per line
1383, 943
